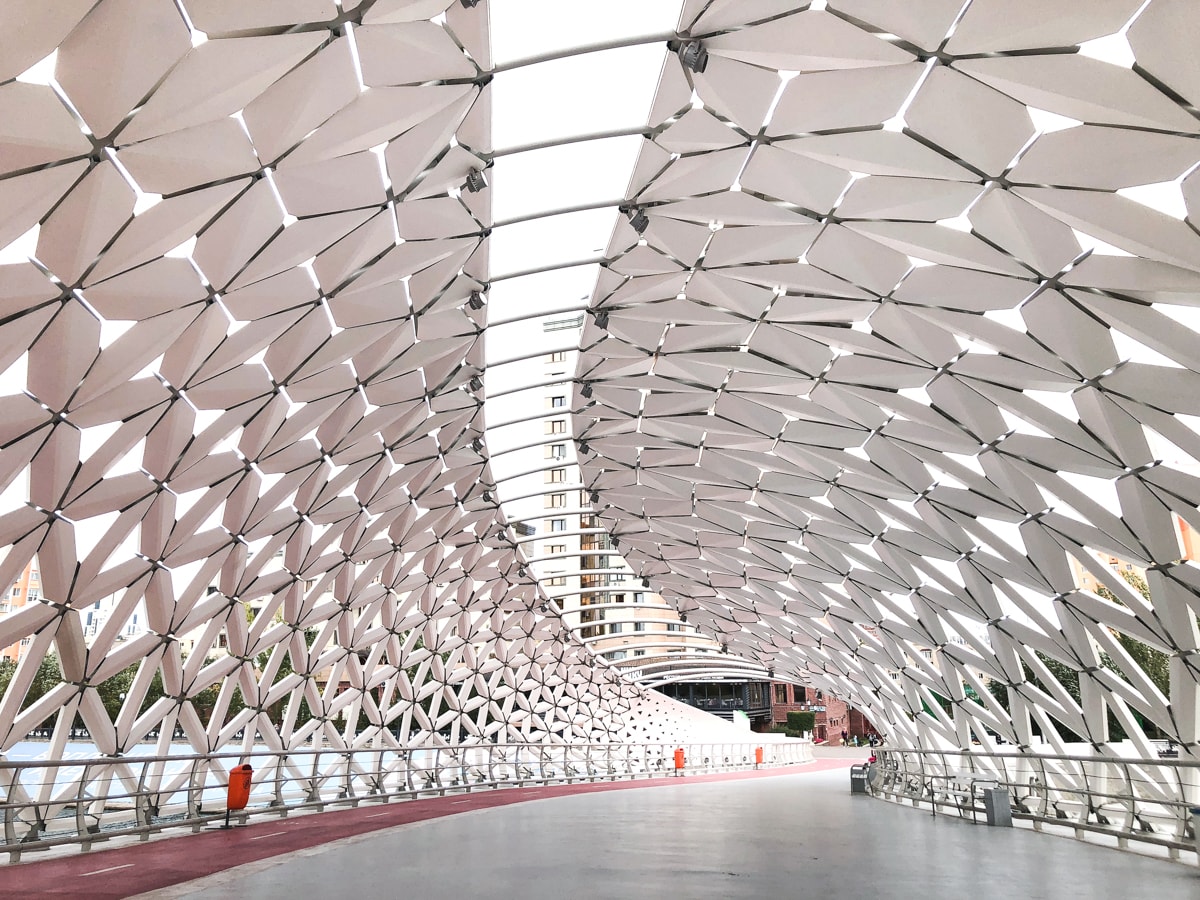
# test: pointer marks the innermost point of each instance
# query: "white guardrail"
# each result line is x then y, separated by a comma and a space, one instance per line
86, 801
1142, 800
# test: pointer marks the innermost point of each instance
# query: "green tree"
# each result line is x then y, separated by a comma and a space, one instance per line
7, 669
798, 722
1068, 677
1155, 663
113, 690
278, 709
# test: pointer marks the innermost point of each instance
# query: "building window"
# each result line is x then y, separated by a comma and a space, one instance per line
34, 594
616, 654
781, 693
558, 524
557, 581
556, 476
556, 451
639, 597
556, 426
639, 652
558, 402
618, 598
552, 549
639, 626
556, 356
556, 501
672, 626
615, 628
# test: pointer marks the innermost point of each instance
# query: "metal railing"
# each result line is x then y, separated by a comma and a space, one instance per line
51, 803
1143, 800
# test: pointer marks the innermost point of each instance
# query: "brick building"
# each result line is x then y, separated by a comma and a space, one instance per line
833, 716
26, 589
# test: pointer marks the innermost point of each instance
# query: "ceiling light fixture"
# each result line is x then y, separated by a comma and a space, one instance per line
476, 181
693, 55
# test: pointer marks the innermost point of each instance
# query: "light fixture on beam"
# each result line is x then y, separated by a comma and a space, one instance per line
475, 383
476, 181
476, 300
602, 319
694, 56
586, 391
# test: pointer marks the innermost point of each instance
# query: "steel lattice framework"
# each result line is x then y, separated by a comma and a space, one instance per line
882, 342
887, 356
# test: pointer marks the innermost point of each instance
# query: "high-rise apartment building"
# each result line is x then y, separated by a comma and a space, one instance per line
601, 599
26, 589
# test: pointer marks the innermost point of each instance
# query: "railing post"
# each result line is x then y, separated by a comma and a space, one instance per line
193, 805
1130, 808
143, 803
347, 785
80, 815
278, 800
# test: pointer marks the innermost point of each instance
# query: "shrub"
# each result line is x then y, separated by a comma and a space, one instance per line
800, 722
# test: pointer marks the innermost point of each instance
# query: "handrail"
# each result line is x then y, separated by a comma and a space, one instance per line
47, 803
1129, 798
1134, 760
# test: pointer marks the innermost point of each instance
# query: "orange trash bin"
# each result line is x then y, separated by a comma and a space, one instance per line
758, 756
239, 789
679, 760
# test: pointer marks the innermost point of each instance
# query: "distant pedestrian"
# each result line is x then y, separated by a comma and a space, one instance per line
845, 735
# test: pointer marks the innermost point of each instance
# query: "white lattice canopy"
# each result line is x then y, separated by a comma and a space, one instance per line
889, 371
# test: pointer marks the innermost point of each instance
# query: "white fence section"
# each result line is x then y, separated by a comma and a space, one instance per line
48, 803
1141, 800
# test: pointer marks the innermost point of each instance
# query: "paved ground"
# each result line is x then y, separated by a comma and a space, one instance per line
752, 835
137, 868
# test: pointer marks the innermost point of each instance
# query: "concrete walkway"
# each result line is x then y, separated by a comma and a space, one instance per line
799, 835
752, 834
126, 868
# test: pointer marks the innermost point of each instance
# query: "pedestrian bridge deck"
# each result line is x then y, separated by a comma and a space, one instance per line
741, 835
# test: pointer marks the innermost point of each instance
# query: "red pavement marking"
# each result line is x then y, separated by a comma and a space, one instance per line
135, 869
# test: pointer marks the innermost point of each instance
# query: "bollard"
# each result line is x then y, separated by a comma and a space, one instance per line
239, 790
679, 761
758, 756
